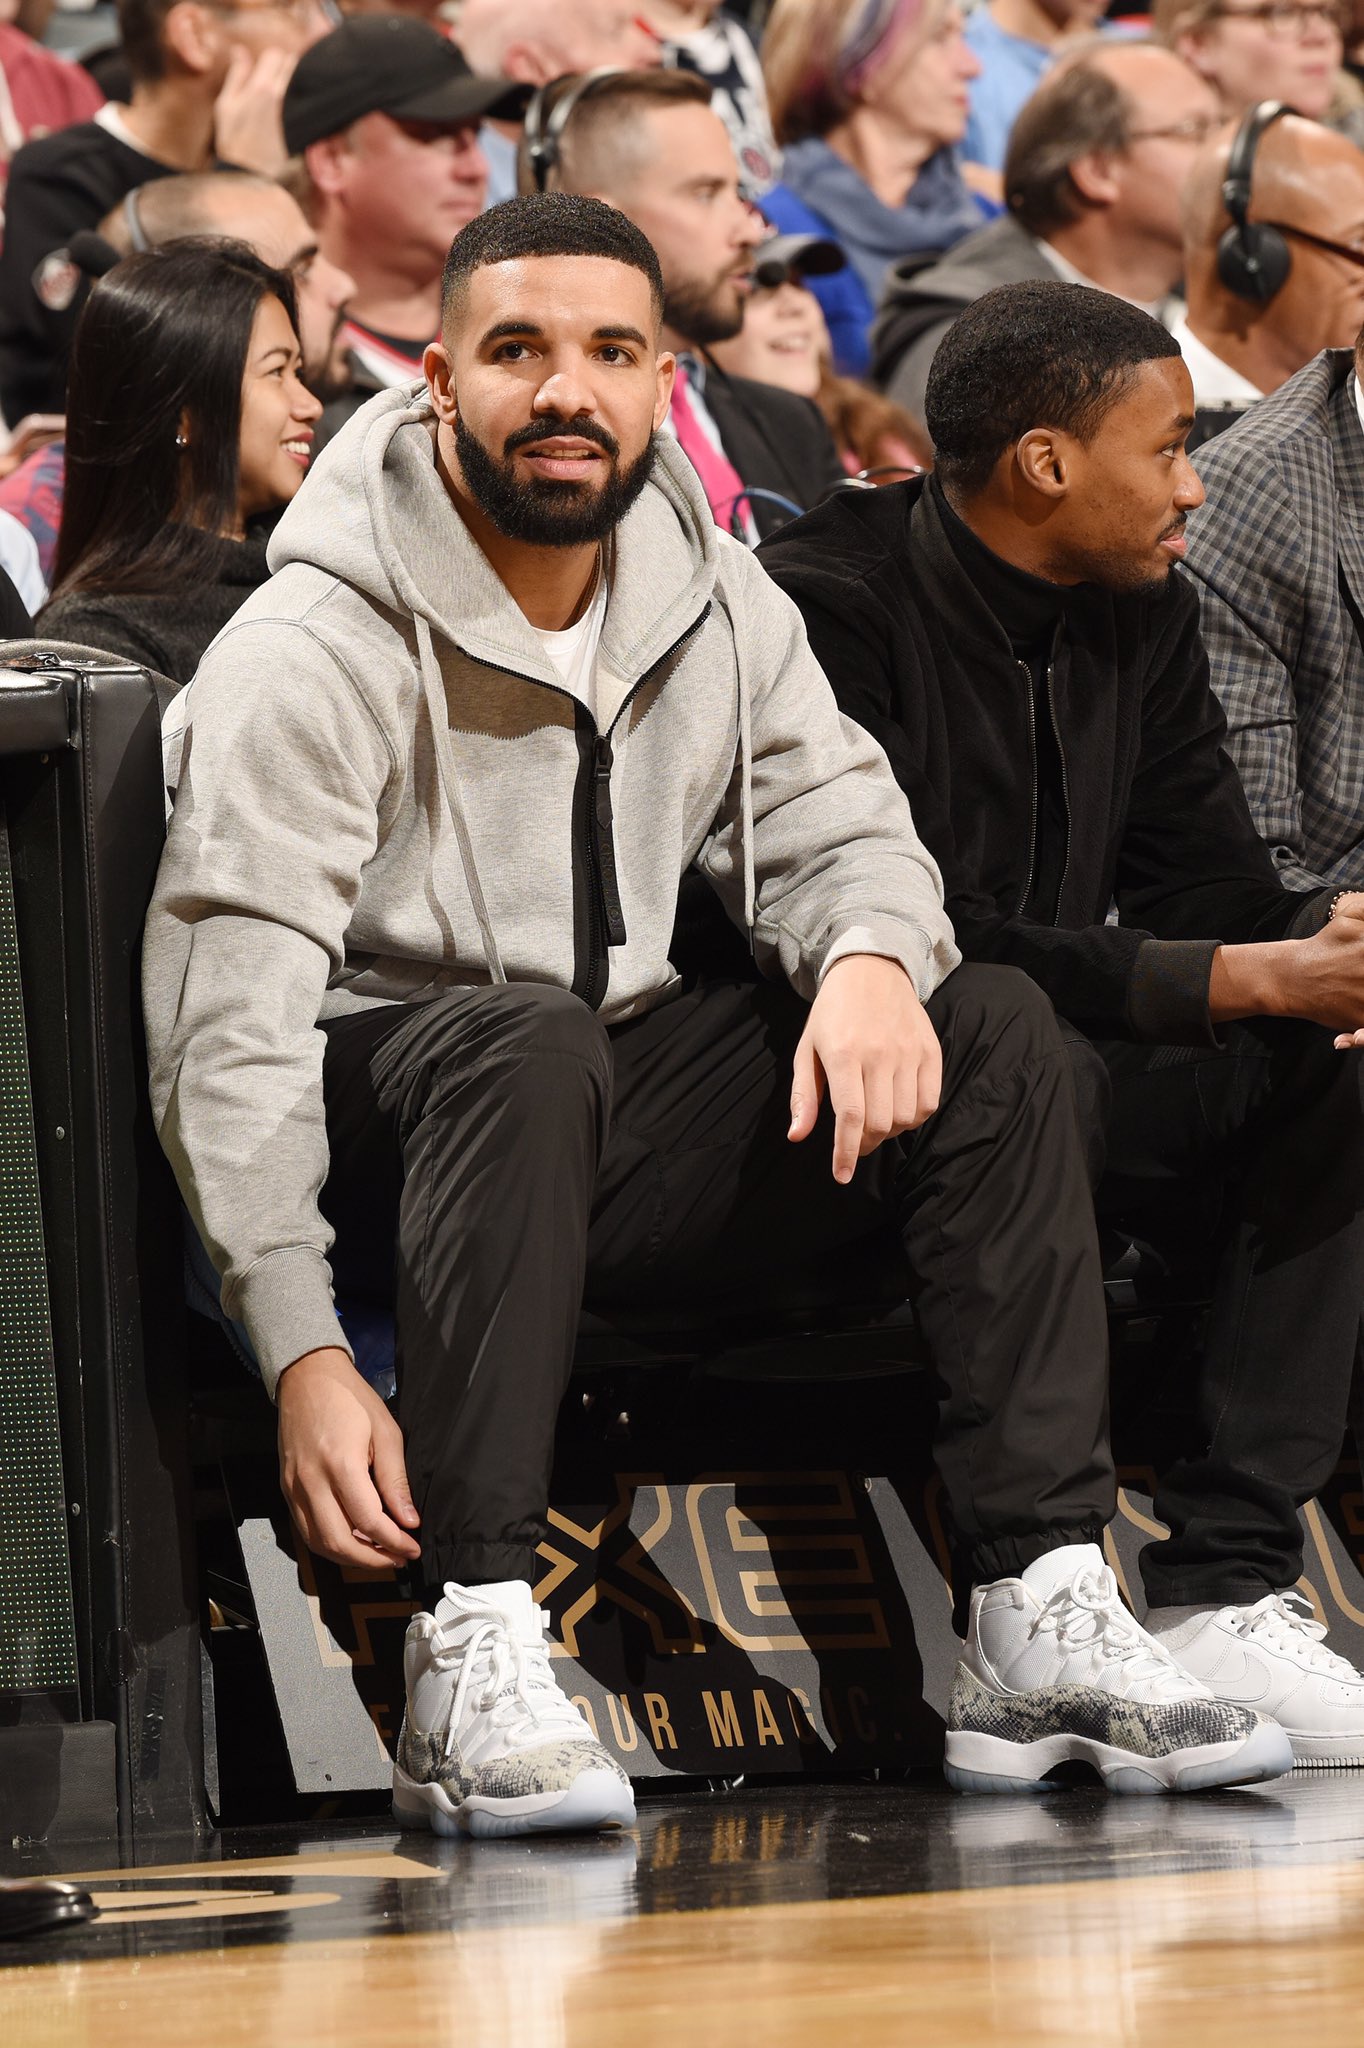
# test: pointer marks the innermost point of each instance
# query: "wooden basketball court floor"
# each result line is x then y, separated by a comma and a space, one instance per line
844, 1916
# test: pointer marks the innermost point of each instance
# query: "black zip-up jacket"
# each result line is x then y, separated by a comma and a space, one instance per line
1154, 816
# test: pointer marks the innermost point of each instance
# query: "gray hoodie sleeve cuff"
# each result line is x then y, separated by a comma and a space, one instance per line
1167, 993
285, 1300
926, 960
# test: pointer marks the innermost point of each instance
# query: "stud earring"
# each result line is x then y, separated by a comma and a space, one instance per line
182, 440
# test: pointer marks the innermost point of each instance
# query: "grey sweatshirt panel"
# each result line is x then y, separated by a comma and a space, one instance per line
375, 783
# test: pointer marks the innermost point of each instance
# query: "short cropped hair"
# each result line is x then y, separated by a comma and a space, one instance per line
141, 32
603, 121
1042, 354
546, 224
1076, 110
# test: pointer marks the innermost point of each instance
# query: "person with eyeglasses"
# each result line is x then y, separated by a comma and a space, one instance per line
1093, 182
208, 85
1246, 47
1245, 333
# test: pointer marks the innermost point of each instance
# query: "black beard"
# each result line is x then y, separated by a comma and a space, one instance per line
693, 311
548, 512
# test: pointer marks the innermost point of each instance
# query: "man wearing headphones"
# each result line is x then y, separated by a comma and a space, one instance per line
1277, 557
1274, 259
649, 143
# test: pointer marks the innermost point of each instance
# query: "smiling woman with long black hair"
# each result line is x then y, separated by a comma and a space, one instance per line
187, 429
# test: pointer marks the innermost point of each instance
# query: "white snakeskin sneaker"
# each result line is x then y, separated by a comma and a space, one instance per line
490, 1745
1273, 1655
1055, 1672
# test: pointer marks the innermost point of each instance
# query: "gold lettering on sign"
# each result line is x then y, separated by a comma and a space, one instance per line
627, 1738
768, 1731
738, 1595
588, 1711
802, 1719
360, 1612
672, 1621
660, 1727
723, 1720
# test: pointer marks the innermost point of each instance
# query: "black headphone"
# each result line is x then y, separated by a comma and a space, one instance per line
544, 129
1252, 260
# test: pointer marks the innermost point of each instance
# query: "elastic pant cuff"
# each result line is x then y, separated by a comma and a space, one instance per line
1005, 1557
1213, 1589
475, 1564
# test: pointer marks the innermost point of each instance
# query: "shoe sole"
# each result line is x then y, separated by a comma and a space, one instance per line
987, 1763
594, 1803
1323, 1753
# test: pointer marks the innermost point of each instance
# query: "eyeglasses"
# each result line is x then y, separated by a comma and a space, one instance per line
1287, 18
1345, 249
1194, 128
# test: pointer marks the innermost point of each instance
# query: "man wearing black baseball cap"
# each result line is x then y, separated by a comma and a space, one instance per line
386, 117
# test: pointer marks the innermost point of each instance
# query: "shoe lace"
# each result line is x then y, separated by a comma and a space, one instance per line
517, 1686
1286, 1622
1089, 1613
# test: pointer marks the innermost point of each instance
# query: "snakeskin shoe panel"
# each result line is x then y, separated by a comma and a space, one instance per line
1144, 1730
552, 1768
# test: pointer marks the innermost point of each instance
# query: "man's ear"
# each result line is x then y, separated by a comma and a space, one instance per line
324, 160
666, 371
1095, 177
440, 382
193, 38
1042, 460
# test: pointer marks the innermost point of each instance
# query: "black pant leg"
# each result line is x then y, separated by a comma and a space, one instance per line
471, 1130
1272, 1127
465, 1135
999, 1227
700, 1190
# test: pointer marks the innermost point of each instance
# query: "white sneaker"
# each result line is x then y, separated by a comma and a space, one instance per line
1273, 1656
1056, 1671
490, 1745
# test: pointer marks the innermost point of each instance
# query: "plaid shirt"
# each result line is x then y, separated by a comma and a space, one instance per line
1277, 554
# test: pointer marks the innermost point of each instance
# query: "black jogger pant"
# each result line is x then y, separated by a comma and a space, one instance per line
1270, 1127
494, 1151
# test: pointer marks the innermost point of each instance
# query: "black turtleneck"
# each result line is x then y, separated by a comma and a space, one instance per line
1029, 610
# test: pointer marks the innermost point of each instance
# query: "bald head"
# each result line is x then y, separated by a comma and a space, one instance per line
1307, 182
1303, 176
238, 204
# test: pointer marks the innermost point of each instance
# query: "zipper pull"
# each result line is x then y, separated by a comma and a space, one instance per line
602, 761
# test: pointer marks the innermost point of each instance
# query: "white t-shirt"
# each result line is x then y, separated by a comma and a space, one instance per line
573, 652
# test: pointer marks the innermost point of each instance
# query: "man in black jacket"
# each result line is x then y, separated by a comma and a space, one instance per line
1011, 632
649, 144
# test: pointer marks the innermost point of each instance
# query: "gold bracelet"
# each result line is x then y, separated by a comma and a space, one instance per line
1336, 902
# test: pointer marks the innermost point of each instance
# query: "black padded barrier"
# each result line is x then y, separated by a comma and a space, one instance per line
81, 786
37, 1623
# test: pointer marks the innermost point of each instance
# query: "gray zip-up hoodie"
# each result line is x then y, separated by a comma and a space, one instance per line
384, 792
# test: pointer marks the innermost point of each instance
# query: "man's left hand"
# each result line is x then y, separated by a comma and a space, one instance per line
869, 1040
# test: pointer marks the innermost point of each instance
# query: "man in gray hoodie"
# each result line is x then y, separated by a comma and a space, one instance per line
408, 992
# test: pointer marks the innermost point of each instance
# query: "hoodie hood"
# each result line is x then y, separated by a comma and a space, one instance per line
375, 514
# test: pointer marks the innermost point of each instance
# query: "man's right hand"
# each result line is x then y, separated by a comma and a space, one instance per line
341, 1465
1319, 980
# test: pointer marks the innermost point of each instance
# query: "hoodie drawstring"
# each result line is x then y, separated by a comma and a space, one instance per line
746, 827
448, 771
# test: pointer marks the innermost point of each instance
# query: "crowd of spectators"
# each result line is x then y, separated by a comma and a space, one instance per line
902, 157
905, 258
